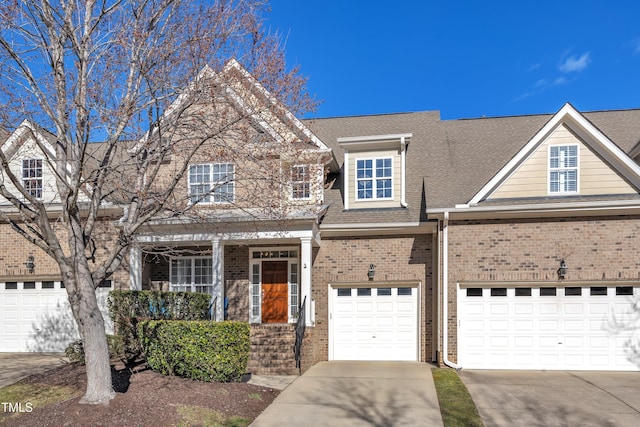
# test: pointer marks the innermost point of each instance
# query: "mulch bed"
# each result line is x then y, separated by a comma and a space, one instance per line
143, 398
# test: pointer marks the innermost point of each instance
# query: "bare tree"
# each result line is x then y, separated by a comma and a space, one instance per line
139, 76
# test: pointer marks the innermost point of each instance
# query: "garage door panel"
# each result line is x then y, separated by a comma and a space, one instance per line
599, 308
498, 325
38, 318
519, 308
549, 325
573, 325
382, 325
499, 341
499, 309
547, 308
573, 309
521, 342
568, 330
523, 325
477, 309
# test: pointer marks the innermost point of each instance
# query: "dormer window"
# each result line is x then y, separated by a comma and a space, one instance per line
374, 179
563, 169
32, 177
374, 171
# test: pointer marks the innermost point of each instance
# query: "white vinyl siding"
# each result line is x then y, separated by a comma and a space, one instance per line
531, 178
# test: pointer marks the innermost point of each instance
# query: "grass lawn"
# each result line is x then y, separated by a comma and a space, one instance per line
456, 405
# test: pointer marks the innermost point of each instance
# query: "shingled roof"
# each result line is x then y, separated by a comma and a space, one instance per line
448, 161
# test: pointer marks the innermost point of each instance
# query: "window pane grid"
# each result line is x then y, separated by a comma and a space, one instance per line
212, 183
32, 177
374, 182
300, 182
293, 280
563, 169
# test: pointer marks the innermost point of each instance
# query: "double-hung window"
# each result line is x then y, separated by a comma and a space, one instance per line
563, 169
32, 177
212, 183
300, 182
192, 274
374, 179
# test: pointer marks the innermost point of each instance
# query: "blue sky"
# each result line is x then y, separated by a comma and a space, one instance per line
464, 58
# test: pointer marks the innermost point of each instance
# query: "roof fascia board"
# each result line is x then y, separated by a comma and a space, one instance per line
233, 63
608, 207
567, 114
374, 141
20, 132
363, 229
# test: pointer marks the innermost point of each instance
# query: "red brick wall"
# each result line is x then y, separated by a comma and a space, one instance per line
397, 258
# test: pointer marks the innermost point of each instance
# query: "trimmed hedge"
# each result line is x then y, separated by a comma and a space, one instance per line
128, 308
75, 350
200, 350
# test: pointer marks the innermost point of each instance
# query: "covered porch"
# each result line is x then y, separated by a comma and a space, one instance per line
258, 276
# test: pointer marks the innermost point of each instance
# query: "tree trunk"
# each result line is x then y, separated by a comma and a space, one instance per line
85, 308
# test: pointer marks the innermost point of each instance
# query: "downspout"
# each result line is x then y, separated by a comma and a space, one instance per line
445, 292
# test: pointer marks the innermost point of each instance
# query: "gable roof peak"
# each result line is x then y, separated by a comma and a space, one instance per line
591, 136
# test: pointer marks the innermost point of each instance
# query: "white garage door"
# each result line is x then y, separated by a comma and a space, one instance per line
374, 323
546, 328
35, 316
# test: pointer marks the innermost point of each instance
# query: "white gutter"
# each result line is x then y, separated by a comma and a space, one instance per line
445, 291
542, 207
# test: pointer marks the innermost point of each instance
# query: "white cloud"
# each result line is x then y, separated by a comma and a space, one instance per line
574, 63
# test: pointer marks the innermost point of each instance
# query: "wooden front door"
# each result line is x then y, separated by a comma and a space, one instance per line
275, 290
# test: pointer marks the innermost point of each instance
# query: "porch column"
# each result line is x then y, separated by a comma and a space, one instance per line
218, 277
305, 277
135, 268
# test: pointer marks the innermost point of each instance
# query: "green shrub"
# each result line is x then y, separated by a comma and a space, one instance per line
200, 350
128, 308
75, 350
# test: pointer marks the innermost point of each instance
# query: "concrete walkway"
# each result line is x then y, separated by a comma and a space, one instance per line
357, 394
16, 366
555, 398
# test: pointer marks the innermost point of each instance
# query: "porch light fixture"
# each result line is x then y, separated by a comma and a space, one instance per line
372, 271
562, 271
30, 264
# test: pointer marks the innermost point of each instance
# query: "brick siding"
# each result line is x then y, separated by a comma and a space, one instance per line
397, 258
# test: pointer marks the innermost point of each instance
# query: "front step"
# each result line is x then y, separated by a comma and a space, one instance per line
272, 349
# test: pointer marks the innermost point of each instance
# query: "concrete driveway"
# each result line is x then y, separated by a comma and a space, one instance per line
15, 366
555, 398
357, 394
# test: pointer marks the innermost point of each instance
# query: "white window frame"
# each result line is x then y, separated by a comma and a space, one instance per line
255, 279
32, 174
300, 182
190, 284
374, 178
220, 184
562, 170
